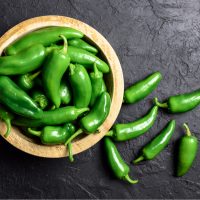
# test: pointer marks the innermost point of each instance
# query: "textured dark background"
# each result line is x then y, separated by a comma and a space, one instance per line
147, 36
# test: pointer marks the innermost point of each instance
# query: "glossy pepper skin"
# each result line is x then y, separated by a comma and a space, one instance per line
79, 43
65, 93
142, 88
17, 100
119, 168
187, 152
45, 36
181, 103
98, 84
54, 68
52, 135
83, 57
124, 132
7, 117
52, 117
152, 149
81, 85
26, 81
24, 62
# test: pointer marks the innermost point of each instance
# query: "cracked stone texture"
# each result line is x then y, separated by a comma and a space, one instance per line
148, 35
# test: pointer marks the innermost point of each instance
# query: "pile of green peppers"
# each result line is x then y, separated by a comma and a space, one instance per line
52, 85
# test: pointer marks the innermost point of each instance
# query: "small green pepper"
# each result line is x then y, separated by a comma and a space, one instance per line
26, 81
45, 36
24, 62
181, 103
79, 43
187, 152
142, 88
51, 77
116, 163
124, 132
7, 117
81, 85
152, 149
98, 84
17, 100
65, 93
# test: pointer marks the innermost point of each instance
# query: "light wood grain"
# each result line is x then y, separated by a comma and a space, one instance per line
114, 79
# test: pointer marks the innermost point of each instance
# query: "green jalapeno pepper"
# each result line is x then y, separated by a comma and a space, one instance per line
81, 85
142, 88
26, 81
52, 117
51, 77
119, 168
87, 59
79, 43
181, 103
24, 62
123, 132
7, 117
17, 100
152, 149
187, 152
45, 36
65, 93
98, 84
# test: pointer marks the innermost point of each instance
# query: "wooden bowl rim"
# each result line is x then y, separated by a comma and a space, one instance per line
25, 144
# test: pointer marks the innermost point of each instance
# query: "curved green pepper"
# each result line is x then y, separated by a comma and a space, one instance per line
181, 103
17, 100
45, 36
25, 81
123, 132
52, 117
152, 149
79, 43
187, 152
52, 77
98, 84
65, 93
142, 88
24, 62
81, 85
116, 163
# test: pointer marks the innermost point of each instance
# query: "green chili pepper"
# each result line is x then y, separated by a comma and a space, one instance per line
51, 76
65, 93
81, 85
182, 102
24, 62
98, 84
152, 149
79, 43
87, 59
45, 36
17, 100
39, 98
7, 117
123, 132
52, 117
95, 118
25, 81
188, 147
142, 88
116, 163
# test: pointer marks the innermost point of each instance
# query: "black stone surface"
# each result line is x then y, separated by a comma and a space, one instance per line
147, 36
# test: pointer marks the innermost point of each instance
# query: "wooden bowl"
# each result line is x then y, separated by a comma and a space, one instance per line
115, 84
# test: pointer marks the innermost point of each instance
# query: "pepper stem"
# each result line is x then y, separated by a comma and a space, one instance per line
110, 133
33, 76
82, 110
188, 132
161, 105
72, 68
8, 124
33, 132
139, 159
71, 158
97, 73
131, 181
77, 133
65, 44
